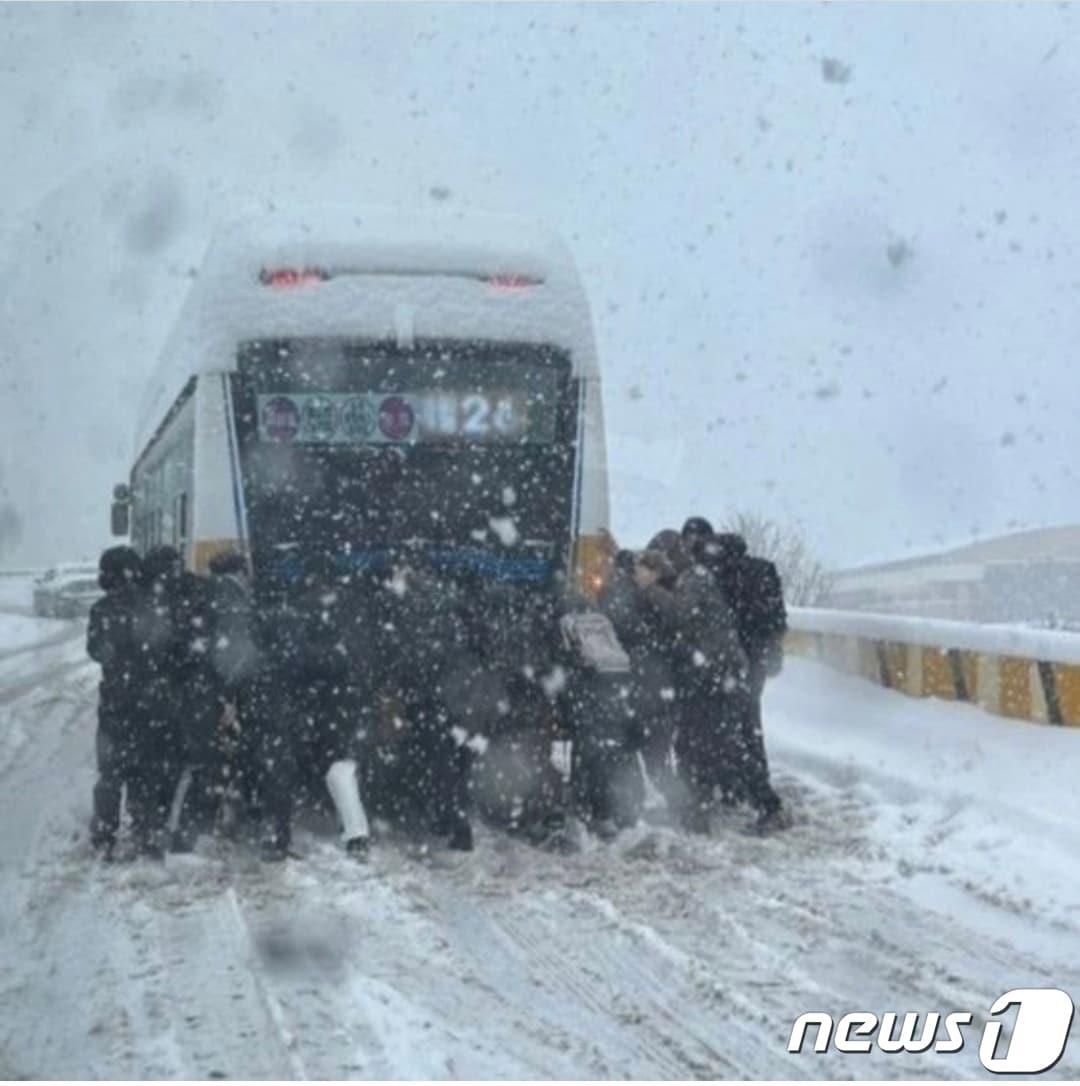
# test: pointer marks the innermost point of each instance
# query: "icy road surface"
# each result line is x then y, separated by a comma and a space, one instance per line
933, 864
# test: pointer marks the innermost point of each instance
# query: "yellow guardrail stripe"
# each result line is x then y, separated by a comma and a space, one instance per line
1010, 686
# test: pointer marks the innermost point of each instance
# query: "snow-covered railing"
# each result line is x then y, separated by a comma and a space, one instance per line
1026, 674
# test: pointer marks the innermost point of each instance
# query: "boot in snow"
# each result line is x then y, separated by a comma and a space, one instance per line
102, 839
150, 847
461, 836
771, 821
358, 848
182, 842
272, 851
274, 842
696, 820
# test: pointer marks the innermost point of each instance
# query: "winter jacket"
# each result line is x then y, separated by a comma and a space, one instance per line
230, 633
763, 618
111, 640
422, 630
647, 638
701, 625
189, 603
308, 634
753, 586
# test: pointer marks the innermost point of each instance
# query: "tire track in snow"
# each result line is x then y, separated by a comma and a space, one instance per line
598, 981
557, 988
71, 632
54, 673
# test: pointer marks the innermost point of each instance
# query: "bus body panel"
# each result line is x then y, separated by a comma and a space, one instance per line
218, 507
163, 481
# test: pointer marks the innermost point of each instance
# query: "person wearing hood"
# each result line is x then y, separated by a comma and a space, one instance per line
111, 641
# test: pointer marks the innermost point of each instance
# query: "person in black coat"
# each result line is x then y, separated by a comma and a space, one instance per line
421, 757
753, 586
500, 693
237, 663
312, 711
711, 675
111, 641
641, 632
156, 748
216, 617
197, 701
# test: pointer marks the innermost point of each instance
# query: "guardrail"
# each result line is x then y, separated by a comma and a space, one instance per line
1014, 672
22, 572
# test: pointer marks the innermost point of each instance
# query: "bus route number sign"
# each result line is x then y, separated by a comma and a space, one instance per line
425, 416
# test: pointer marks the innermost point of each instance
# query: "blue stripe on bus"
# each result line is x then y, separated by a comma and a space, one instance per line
517, 570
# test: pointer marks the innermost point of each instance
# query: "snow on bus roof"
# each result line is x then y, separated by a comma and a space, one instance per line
365, 273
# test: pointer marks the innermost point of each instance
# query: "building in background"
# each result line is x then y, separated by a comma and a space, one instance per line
1028, 577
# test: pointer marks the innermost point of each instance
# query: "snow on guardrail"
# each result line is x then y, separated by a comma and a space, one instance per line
1011, 671
1056, 646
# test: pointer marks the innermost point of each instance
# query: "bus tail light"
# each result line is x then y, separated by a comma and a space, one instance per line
292, 278
594, 560
512, 284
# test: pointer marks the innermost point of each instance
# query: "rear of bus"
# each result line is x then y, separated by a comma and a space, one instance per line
418, 389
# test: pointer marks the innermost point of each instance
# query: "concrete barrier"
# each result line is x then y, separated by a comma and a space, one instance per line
1025, 674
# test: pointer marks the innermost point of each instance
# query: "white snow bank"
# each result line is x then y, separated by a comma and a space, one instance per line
990, 802
1051, 645
16, 591
19, 631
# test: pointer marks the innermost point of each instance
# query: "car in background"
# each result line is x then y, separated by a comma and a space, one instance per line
48, 585
74, 597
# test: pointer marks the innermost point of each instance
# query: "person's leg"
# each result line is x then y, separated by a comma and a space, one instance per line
108, 789
441, 770
197, 799
344, 787
753, 760
454, 794
656, 753
687, 756
150, 791
591, 793
277, 775
626, 786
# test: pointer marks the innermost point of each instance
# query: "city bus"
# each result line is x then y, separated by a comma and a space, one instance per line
347, 384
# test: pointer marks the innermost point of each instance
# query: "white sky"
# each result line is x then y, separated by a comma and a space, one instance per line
731, 210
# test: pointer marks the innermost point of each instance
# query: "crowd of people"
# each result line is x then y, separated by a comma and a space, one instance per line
703, 623
414, 696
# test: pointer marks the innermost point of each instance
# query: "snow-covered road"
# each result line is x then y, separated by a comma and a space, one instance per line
932, 866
